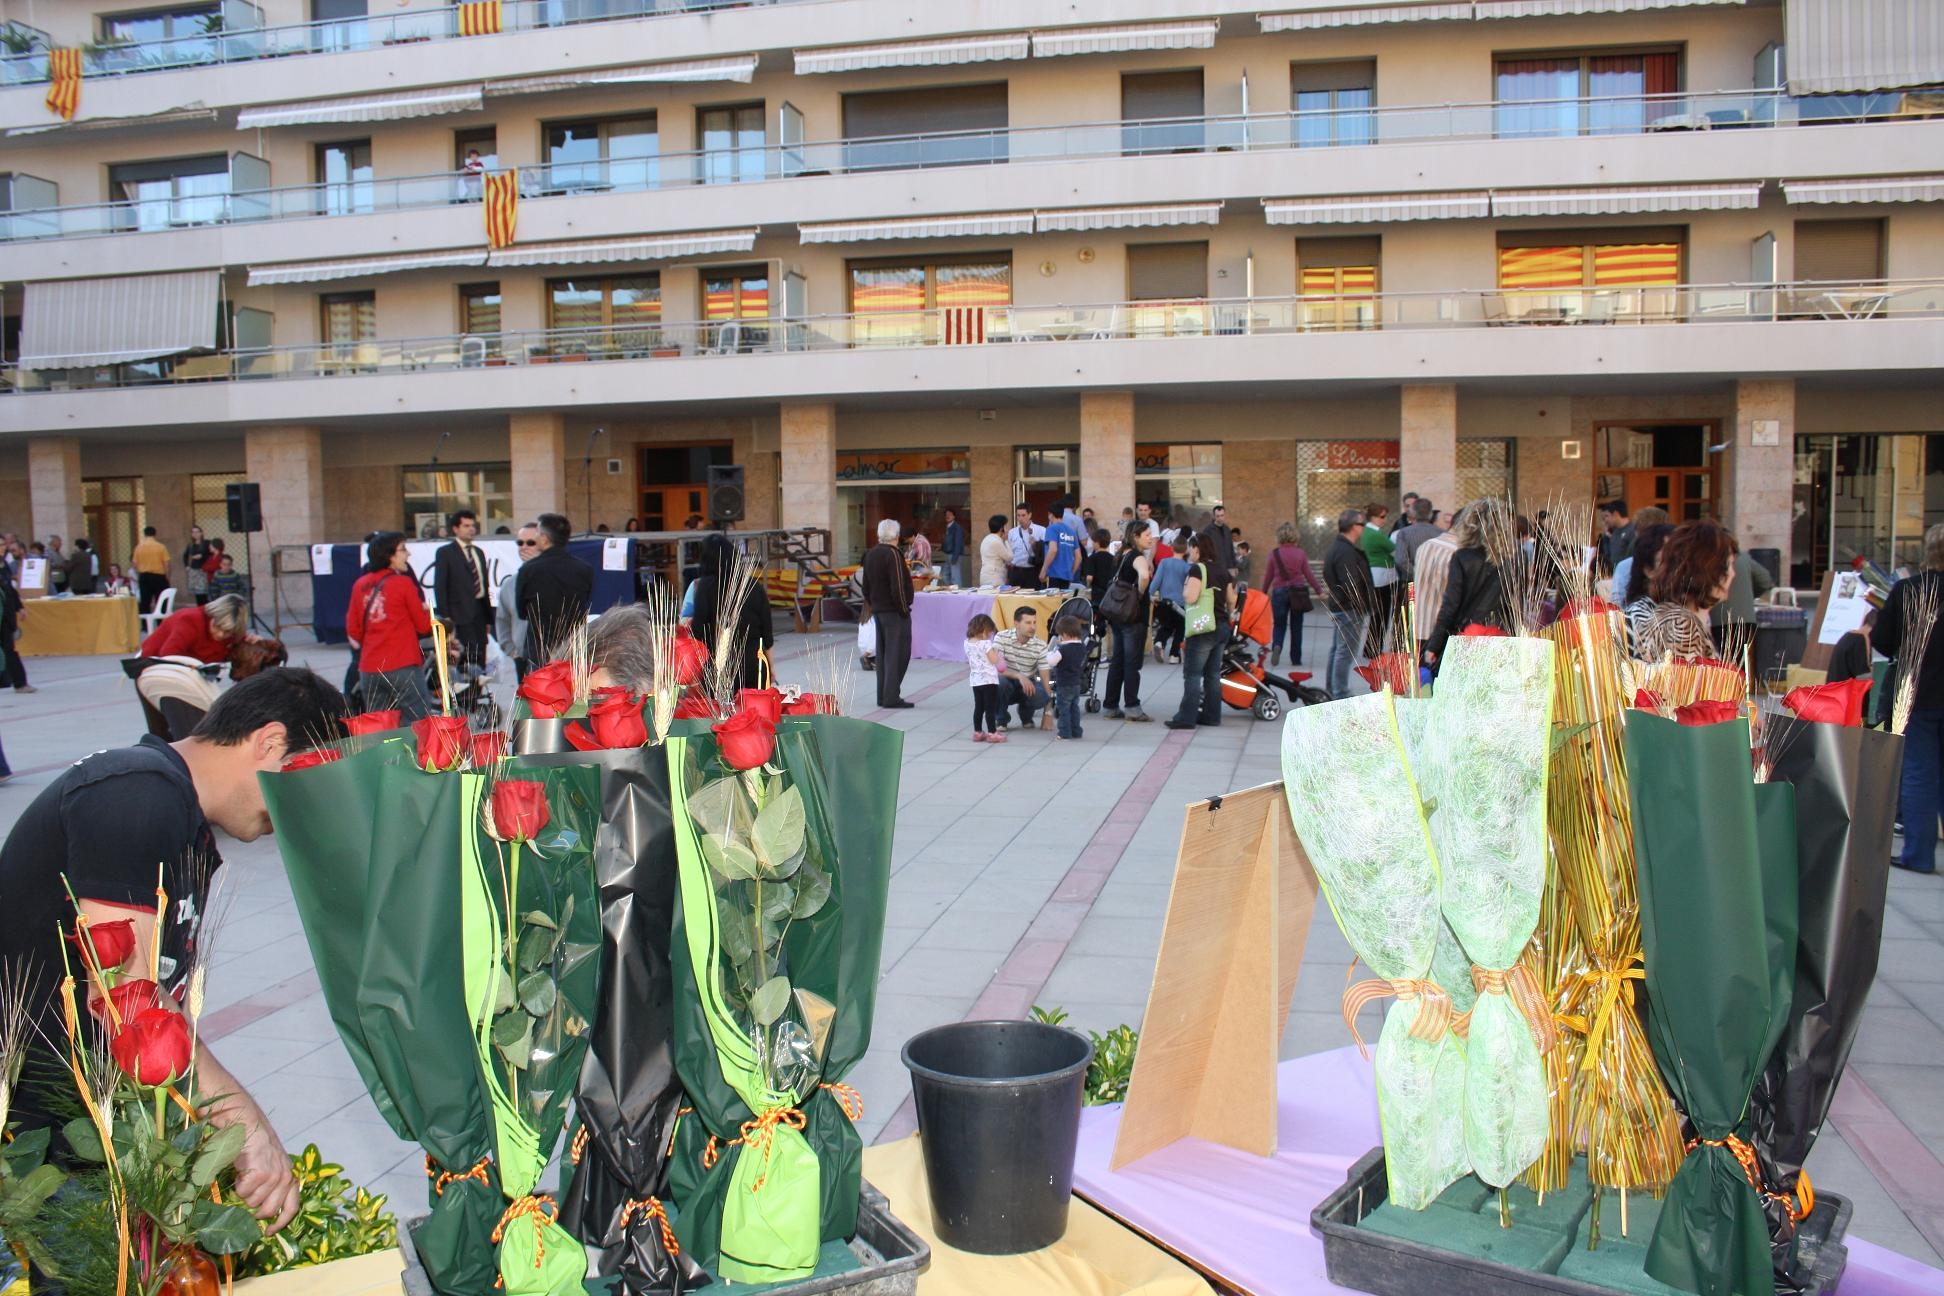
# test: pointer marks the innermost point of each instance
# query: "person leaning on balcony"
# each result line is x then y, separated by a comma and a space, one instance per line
995, 555
151, 563
386, 619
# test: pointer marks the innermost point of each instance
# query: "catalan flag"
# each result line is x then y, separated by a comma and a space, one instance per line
63, 82
502, 207
480, 18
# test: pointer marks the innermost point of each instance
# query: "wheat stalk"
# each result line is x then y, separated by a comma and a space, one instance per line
829, 670
733, 589
17, 986
664, 614
1919, 620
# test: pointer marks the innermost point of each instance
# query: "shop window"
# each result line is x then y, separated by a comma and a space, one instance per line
435, 492
910, 487
1044, 475
1178, 479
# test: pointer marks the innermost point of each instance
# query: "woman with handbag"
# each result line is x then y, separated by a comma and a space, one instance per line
1291, 584
1209, 597
1124, 607
385, 621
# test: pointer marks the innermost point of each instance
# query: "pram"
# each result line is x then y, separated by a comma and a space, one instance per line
472, 693
1247, 684
1082, 610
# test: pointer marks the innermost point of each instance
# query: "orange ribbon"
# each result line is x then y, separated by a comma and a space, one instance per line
650, 1208
1517, 984
542, 1211
579, 1147
1796, 1205
1434, 1011
441, 1179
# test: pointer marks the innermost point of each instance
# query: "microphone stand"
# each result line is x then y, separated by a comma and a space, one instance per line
587, 518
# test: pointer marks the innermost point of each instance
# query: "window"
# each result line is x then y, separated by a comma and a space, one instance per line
479, 316
621, 314
344, 177
1173, 275
343, 29
893, 296
350, 320
434, 493
172, 193
1332, 102
1044, 475
911, 487
1337, 278
116, 512
731, 294
597, 154
185, 34
1584, 94
1838, 250
732, 143
1542, 273
1161, 112
878, 126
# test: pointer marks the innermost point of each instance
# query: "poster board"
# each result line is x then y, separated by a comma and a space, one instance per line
33, 577
1844, 603
1238, 917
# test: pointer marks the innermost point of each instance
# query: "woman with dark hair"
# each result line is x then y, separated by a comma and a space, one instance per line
385, 621
1134, 567
1208, 600
1695, 567
753, 633
1636, 601
1474, 592
994, 553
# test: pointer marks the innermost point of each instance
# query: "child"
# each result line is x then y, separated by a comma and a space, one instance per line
983, 658
1069, 667
227, 580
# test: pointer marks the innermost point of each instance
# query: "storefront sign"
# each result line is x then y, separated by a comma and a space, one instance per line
1183, 460
1361, 456
901, 465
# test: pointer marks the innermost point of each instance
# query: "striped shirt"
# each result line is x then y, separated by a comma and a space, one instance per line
1022, 656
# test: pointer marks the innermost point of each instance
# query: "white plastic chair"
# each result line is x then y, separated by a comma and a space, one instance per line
164, 604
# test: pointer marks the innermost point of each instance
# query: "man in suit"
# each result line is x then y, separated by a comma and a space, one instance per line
459, 588
553, 591
887, 590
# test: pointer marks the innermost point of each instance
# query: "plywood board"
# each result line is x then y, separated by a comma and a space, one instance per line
1238, 918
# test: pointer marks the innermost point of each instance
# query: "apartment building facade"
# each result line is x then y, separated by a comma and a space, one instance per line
897, 257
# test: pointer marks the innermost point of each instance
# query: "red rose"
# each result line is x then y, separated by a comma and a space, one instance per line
113, 942
811, 704
443, 742
488, 748
549, 689
1647, 700
1478, 630
309, 759
130, 999
691, 656
1586, 607
1840, 703
695, 705
372, 722
745, 739
1393, 668
766, 702
153, 1047
616, 718
519, 809
1707, 713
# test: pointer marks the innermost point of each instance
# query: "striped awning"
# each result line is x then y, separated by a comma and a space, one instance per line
1365, 16
925, 227
1197, 33
740, 67
1845, 46
658, 247
365, 108
1618, 202
1866, 189
923, 53
290, 272
1556, 8
73, 323
1370, 208
1100, 218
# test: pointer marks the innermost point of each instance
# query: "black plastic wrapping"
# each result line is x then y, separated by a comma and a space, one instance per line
629, 1093
1846, 782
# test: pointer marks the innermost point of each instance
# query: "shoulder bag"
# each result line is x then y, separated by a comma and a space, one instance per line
1201, 613
1121, 604
1299, 591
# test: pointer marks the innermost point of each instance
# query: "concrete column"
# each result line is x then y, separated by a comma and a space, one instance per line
1760, 490
809, 463
1106, 452
992, 492
54, 488
1428, 442
287, 464
537, 445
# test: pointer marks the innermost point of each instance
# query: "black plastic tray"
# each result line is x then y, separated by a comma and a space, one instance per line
892, 1257
1365, 1260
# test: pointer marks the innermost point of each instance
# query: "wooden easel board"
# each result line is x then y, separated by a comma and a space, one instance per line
1815, 655
1238, 918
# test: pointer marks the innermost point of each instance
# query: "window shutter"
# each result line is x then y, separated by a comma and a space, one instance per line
1838, 250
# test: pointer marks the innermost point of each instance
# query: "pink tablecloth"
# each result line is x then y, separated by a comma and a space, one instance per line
1245, 1219
938, 622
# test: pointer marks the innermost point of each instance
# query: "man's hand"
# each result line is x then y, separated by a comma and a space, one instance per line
1027, 686
263, 1177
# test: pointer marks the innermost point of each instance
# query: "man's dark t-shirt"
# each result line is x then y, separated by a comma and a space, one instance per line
106, 824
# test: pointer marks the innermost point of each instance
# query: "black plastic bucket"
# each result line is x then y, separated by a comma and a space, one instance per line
999, 1120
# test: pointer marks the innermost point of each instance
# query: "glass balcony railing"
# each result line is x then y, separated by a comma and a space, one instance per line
956, 327
1336, 128
340, 35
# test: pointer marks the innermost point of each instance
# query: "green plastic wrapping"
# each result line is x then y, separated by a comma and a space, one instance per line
1352, 798
1486, 747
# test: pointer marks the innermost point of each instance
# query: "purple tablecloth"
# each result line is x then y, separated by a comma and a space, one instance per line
938, 622
1245, 1219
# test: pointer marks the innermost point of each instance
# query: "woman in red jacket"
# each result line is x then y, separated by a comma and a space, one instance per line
385, 621
206, 632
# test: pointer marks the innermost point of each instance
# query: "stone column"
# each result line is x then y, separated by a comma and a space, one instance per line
1106, 452
1760, 490
809, 464
54, 489
1428, 442
537, 446
992, 492
287, 464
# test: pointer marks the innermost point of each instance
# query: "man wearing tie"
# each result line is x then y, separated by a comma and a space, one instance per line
459, 588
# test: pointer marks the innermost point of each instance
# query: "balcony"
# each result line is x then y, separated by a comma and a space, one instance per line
1601, 313
1334, 132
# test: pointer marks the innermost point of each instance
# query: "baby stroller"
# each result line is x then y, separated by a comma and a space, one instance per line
472, 692
1081, 610
1247, 684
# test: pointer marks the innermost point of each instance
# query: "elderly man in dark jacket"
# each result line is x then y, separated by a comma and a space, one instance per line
887, 591
1346, 575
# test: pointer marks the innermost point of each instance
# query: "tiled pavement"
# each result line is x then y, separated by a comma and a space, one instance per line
1033, 872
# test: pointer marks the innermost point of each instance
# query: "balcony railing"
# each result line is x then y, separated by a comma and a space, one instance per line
340, 35
974, 326
1336, 128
